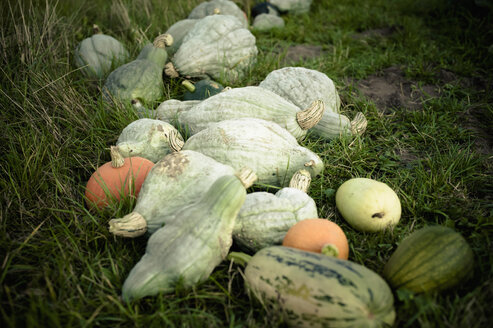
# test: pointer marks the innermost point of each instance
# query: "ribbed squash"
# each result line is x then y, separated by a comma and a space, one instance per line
430, 259
265, 218
178, 31
97, 54
188, 249
313, 290
252, 102
271, 151
141, 79
219, 47
168, 110
148, 138
177, 180
222, 7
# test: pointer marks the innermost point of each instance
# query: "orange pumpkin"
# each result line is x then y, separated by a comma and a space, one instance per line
120, 177
318, 235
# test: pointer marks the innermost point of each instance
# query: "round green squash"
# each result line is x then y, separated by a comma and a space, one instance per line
221, 7
314, 290
201, 89
430, 259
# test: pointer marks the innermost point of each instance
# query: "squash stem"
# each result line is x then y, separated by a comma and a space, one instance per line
117, 159
175, 141
188, 85
247, 177
169, 70
301, 180
163, 41
309, 117
358, 124
96, 29
239, 257
330, 250
131, 225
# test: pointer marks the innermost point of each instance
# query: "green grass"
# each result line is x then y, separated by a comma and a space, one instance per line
60, 267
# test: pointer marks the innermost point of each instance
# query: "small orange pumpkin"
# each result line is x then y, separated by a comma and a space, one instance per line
121, 176
318, 235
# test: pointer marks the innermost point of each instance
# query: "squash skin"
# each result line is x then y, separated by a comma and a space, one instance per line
271, 151
293, 6
266, 22
100, 53
176, 181
190, 248
203, 89
146, 138
222, 7
265, 218
178, 31
254, 102
314, 290
433, 258
208, 50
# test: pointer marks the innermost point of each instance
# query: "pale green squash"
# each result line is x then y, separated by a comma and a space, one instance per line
98, 54
187, 250
168, 110
293, 6
270, 150
222, 7
178, 31
266, 22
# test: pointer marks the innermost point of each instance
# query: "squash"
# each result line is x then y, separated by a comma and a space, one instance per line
292, 6
313, 290
178, 31
176, 181
266, 22
319, 236
168, 110
252, 102
187, 250
218, 47
433, 258
265, 8
222, 7
333, 125
271, 151
97, 55
117, 178
265, 218
368, 205
149, 138
201, 90
141, 79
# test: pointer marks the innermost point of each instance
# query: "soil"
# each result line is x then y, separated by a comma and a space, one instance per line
300, 52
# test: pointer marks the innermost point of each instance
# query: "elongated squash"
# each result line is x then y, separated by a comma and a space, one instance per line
176, 181
188, 250
271, 151
252, 102
265, 218
313, 290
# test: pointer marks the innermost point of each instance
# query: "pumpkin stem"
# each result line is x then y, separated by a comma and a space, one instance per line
226, 89
117, 159
330, 250
358, 124
217, 11
301, 180
163, 41
309, 117
175, 140
310, 163
246, 176
131, 225
169, 70
239, 257
188, 85
96, 29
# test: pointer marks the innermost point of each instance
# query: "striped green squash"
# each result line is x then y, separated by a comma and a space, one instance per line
430, 259
314, 290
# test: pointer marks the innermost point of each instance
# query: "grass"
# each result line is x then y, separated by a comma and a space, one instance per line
60, 267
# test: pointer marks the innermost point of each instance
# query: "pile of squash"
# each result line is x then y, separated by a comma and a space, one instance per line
191, 193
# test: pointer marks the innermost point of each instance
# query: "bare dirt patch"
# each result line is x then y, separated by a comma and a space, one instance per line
300, 52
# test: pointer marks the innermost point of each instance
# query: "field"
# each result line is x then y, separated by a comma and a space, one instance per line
420, 71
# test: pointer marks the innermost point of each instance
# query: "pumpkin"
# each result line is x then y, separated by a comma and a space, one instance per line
270, 150
176, 181
309, 289
178, 31
333, 125
117, 178
266, 22
188, 250
254, 102
265, 218
368, 205
219, 47
433, 258
292, 6
222, 7
149, 138
141, 79
201, 90
97, 55
319, 236
168, 110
